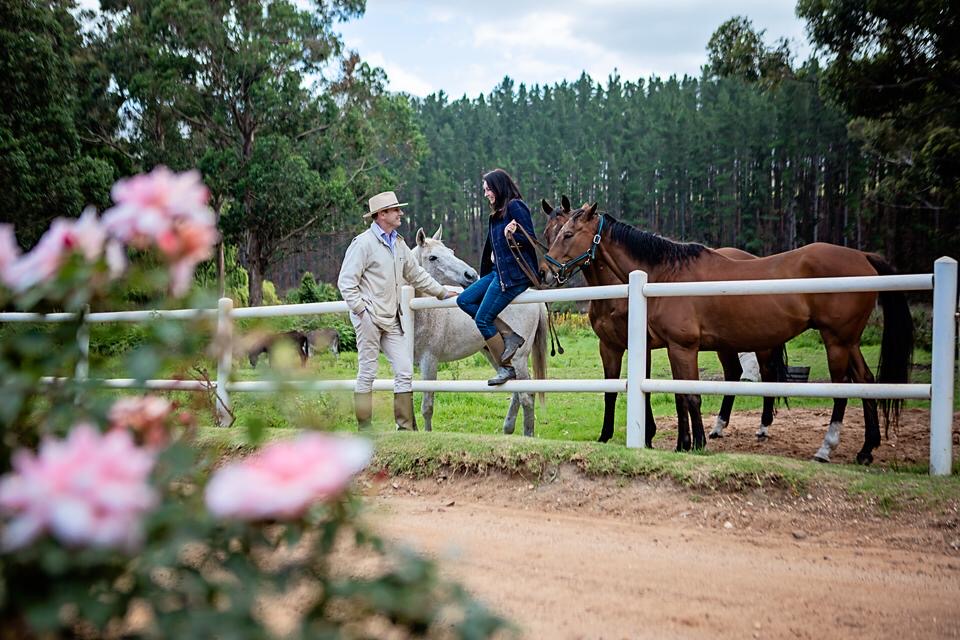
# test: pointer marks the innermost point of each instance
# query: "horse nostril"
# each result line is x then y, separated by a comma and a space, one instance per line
470, 276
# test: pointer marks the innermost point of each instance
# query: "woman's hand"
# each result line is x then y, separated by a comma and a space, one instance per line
510, 228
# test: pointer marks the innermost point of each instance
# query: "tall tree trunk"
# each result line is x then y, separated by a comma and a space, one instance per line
255, 267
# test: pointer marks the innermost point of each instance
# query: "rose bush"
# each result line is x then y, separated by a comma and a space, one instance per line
115, 523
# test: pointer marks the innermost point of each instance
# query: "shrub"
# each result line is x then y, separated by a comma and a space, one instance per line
312, 291
270, 294
116, 523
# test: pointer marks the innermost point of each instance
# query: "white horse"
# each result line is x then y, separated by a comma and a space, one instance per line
444, 335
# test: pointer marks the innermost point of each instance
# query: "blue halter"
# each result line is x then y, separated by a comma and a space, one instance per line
566, 270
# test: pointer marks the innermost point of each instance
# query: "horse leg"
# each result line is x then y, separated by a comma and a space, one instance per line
428, 371
860, 372
768, 373
683, 426
651, 424
683, 364
510, 420
838, 359
612, 359
529, 417
518, 400
731, 372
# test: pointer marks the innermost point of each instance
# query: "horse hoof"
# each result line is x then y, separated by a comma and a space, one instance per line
864, 458
761, 437
714, 436
821, 460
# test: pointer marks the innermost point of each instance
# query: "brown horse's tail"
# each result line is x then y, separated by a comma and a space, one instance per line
540, 352
896, 346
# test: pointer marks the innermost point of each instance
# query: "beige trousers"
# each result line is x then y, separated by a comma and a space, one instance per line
371, 340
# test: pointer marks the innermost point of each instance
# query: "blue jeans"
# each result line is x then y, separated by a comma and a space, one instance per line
484, 300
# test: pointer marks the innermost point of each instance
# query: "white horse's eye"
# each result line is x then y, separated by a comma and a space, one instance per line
432, 258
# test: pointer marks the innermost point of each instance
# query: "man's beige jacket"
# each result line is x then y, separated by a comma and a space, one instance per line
371, 276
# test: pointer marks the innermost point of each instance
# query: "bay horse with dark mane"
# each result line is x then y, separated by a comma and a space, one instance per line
609, 321
688, 325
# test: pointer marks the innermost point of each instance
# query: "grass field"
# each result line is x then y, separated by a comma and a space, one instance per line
567, 416
467, 427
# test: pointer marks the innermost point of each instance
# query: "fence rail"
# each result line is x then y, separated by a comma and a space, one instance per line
943, 282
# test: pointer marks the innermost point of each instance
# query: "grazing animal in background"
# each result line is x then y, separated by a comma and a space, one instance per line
444, 335
266, 344
326, 338
690, 324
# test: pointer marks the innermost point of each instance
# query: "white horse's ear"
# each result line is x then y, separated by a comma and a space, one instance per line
421, 237
565, 203
439, 233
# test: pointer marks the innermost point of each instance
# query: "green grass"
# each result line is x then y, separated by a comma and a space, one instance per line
567, 416
467, 434
425, 455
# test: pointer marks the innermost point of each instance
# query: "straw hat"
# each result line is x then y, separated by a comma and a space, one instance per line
381, 201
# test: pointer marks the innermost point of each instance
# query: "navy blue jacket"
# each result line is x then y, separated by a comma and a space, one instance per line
505, 264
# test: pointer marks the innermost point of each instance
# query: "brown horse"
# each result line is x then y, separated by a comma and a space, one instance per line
687, 325
609, 321
265, 345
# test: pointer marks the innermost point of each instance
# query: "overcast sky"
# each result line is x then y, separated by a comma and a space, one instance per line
468, 47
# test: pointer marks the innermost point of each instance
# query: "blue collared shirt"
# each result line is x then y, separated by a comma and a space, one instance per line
389, 238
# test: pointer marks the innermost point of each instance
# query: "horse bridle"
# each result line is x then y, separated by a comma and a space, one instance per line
566, 270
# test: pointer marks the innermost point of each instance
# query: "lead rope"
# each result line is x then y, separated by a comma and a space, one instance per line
535, 282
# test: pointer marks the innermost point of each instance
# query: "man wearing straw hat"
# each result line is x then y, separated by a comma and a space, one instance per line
377, 263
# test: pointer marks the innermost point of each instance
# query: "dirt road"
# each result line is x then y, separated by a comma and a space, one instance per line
575, 557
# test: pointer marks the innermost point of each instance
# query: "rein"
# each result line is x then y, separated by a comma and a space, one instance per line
535, 281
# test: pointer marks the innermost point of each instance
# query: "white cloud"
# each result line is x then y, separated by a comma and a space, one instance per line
400, 79
464, 48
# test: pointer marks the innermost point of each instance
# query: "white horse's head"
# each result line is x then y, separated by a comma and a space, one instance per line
441, 263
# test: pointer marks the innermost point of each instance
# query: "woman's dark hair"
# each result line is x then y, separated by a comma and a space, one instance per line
503, 187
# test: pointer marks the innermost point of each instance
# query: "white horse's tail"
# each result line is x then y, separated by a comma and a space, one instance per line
539, 352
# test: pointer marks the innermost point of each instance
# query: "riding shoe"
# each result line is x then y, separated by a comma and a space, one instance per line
504, 373
363, 406
504, 370
511, 340
403, 411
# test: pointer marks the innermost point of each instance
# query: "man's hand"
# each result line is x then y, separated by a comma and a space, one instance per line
451, 294
510, 228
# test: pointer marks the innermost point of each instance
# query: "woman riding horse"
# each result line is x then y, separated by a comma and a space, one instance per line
502, 275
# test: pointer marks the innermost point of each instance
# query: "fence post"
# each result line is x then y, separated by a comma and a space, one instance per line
225, 342
82, 369
941, 368
636, 360
407, 324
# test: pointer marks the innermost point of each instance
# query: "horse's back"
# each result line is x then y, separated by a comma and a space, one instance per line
763, 321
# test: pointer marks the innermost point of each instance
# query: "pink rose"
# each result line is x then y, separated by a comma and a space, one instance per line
9, 250
284, 479
146, 416
90, 490
84, 235
168, 211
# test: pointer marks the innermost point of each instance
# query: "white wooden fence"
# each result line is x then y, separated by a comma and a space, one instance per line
943, 282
